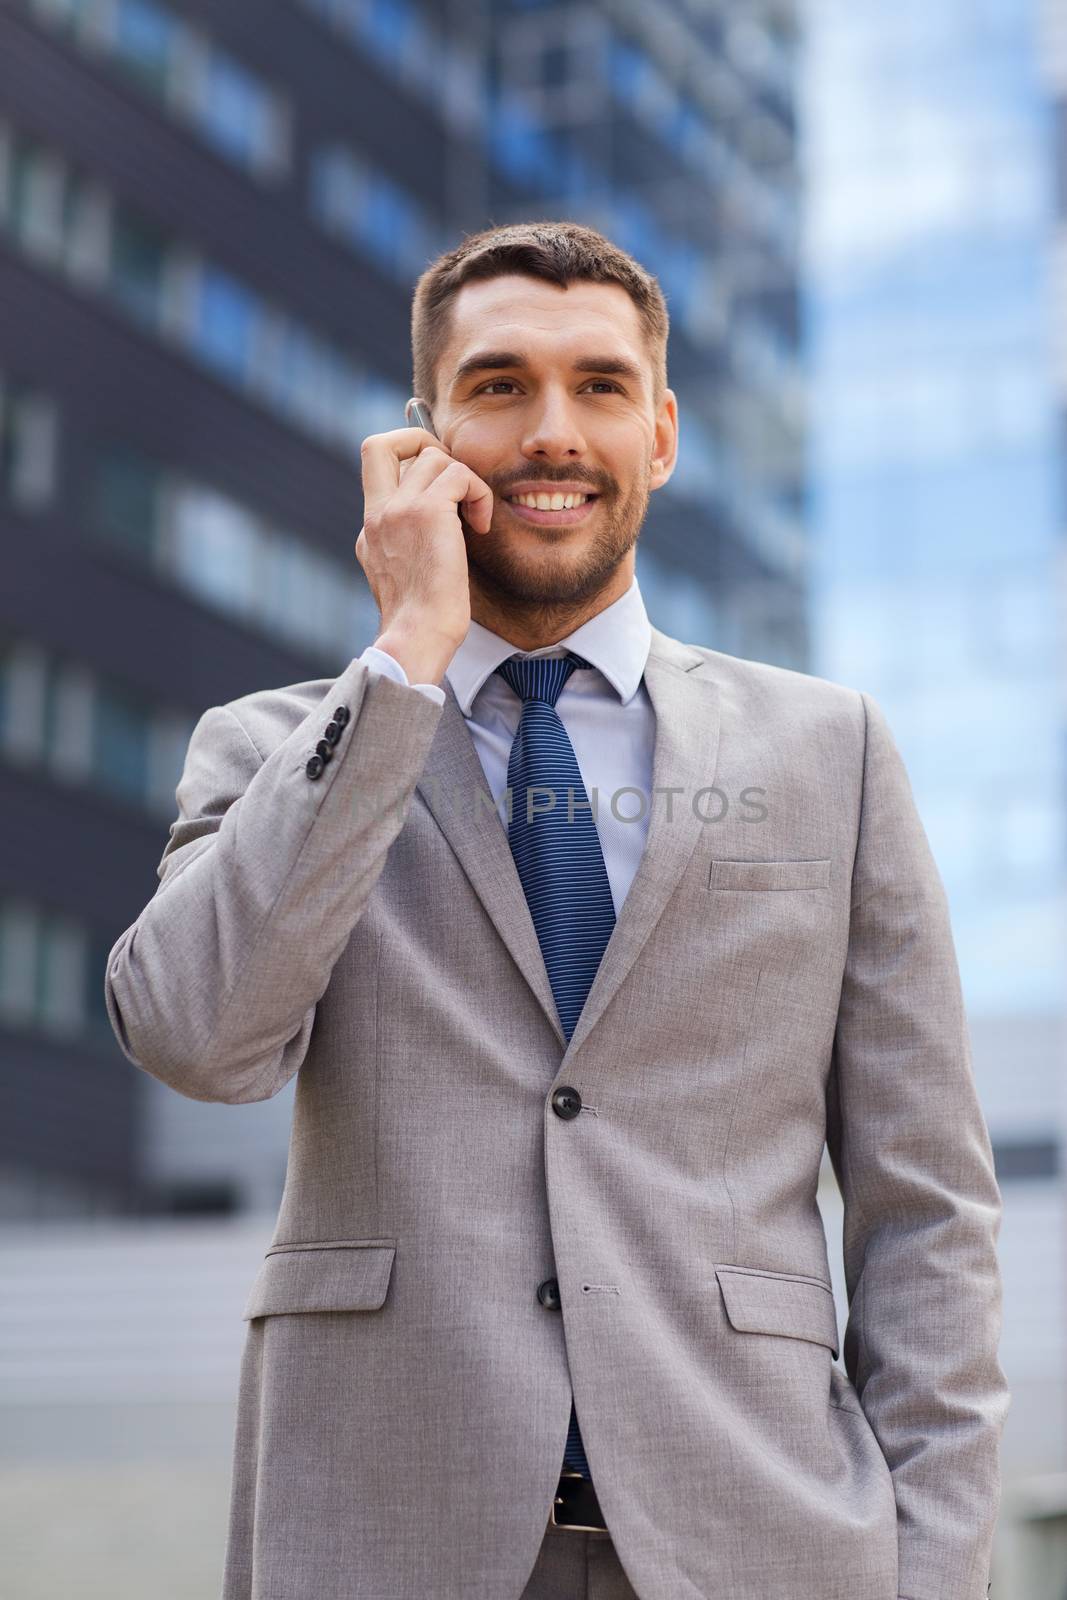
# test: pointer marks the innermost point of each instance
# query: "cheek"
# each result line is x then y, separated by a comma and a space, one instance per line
486, 443
630, 431
625, 449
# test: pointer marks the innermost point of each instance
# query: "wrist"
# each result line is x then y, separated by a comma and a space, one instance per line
423, 656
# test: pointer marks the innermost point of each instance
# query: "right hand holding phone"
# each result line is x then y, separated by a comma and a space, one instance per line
411, 546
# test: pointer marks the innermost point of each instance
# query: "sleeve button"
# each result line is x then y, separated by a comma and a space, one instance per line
340, 716
323, 749
331, 733
314, 767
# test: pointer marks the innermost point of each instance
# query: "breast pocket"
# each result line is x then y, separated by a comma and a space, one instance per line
726, 874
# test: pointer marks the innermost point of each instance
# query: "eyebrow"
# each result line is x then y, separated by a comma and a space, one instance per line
494, 360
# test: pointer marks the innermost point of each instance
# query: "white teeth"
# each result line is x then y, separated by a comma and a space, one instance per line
550, 502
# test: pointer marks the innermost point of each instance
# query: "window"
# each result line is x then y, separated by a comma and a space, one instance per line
52, 972
213, 550
27, 445
236, 113
138, 256
42, 969
301, 379
391, 30
224, 322
35, 200
520, 147
120, 745
415, 52
125, 500
58, 715
185, 73
70, 708
23, 693
167, 288
19, 939
145, 41
62, 957
366, 208
229, 558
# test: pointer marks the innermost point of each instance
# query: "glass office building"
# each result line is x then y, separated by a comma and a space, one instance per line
211, 219
934, 308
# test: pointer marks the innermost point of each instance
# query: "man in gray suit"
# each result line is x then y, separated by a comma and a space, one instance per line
583, 943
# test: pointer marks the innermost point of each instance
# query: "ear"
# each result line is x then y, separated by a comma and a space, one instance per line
665, 443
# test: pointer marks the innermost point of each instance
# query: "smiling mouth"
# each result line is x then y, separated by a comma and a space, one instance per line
551, 508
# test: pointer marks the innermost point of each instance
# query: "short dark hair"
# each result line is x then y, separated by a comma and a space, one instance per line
559, 252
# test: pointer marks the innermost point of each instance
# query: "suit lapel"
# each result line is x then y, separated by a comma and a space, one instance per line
453, 785
687, 741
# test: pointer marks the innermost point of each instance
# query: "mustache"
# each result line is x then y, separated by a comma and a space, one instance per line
596, 485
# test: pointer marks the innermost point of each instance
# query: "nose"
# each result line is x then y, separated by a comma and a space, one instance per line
553, 433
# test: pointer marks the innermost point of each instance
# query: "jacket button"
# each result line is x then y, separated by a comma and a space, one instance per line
566, 1103
332, 732
314, 767
340, 716
324, 750
548, 1293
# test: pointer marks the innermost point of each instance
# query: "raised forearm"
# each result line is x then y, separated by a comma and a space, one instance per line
213, 988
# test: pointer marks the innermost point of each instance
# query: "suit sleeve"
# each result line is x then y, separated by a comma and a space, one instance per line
266, 872
922, 1210
382, 661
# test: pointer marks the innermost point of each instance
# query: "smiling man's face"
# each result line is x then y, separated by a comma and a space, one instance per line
550, 390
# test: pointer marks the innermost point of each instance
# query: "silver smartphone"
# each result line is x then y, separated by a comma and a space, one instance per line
417, 414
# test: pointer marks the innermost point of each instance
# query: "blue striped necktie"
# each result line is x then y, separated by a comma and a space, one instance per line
559, 860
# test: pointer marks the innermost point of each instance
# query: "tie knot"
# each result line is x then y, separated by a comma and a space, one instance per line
539, 677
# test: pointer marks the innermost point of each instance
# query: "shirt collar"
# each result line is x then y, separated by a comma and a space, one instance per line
616, 641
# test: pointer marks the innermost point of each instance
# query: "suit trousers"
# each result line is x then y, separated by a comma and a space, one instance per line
577, 1566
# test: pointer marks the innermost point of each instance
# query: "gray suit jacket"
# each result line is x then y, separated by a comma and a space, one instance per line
769, 985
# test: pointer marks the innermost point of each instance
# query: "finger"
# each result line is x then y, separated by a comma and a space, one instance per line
418, 473
465, 488
380, 458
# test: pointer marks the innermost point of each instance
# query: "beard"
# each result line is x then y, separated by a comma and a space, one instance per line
568, 570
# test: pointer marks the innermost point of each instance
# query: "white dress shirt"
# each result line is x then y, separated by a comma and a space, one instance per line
607, 713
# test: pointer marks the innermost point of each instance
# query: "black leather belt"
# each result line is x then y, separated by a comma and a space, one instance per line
576, 1506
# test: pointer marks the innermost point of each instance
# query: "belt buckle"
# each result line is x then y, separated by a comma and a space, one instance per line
574, 1527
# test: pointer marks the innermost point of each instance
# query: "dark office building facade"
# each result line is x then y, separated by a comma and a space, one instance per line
211, 219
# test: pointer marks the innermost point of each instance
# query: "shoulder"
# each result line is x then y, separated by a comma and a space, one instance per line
772, 695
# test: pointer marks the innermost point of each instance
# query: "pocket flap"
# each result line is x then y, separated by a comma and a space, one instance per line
762, 1302
327, 1277
769, 874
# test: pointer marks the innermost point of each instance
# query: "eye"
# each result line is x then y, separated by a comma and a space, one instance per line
604, 383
